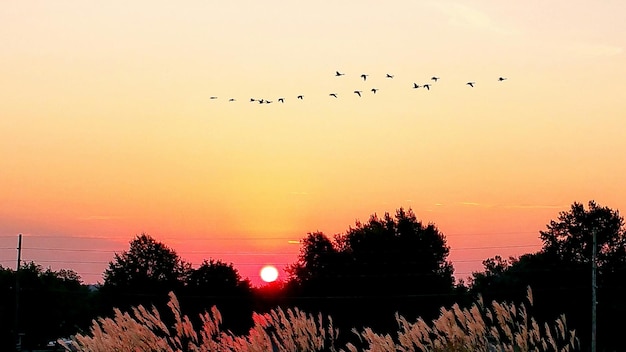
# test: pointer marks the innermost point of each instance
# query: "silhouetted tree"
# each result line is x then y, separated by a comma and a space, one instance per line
387, 265
570, 237
216, 283
319, 265
52, 304
216, 277
560, 273
143, 275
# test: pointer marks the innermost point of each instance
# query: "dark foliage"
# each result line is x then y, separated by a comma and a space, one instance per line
51, 304
149, 270
387, 265
143, 275
215, 283
560, 274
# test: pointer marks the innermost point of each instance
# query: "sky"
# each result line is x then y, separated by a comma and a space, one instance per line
108, 129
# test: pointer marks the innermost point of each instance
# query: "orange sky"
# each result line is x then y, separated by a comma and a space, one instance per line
107, 129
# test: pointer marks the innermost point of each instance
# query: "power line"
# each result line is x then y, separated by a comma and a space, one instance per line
493, 247
247, 253
185, 252
249, 237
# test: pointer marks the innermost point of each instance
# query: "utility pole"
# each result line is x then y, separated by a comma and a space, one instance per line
593, 290
18, 337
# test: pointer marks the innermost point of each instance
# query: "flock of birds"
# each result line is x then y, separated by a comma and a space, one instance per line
363, 76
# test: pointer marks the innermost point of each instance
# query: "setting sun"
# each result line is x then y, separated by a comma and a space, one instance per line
269, 273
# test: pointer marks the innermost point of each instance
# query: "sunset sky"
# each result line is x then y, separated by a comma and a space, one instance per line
107, 129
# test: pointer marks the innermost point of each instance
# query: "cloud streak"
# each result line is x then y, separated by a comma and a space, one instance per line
99, 217
461, 15
594, 50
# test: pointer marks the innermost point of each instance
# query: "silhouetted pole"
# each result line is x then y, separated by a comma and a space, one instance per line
593, 291
18, 342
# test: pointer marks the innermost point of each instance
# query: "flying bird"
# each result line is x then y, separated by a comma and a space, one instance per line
261, 101
364, 76
281, 100
434, 78
300, 97
415, 85
252, 100
471, 84
333, 95
231, 99
337, 74
358, 92
427, 86
374, 90
213, 98
389, 76
501, 79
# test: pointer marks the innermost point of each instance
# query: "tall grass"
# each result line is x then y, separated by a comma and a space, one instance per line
499, 327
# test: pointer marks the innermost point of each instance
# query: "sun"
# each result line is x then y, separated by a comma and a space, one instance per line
269, 273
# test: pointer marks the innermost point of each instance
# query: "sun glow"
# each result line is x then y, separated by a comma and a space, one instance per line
269, 273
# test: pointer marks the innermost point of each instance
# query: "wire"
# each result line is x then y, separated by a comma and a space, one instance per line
251, 238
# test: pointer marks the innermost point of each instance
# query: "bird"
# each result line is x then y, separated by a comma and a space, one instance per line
374, 90
261, 101
252, 100
300, 97
213, 98
471, 84
415, 85
268, 102
434, 78
364, 76
231, 99
427, 86
333, 95
337, 74
281, 100
501, 79
358, 92
389, 76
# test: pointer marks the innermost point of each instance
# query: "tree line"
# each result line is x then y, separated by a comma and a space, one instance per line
386, 265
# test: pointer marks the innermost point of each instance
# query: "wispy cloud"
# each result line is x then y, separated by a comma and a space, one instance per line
533, 206
593, 50
470, 204
514, 206
461, 15
99, 217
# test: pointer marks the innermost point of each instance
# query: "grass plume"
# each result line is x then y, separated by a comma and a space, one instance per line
498, 327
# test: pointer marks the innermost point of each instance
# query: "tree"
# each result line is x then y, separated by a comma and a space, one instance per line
52, 304
560, 273
144, 274
399, 254
319, 259
216, 283
216, 277
400, 251
570, 238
